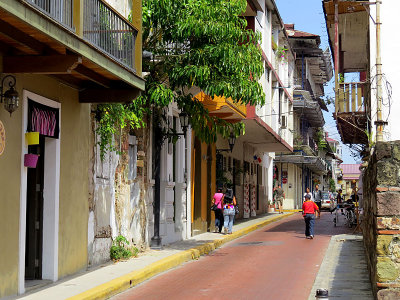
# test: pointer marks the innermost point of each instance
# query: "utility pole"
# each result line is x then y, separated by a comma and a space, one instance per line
379, 122
336, 56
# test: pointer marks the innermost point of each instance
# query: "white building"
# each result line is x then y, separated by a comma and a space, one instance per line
269, 127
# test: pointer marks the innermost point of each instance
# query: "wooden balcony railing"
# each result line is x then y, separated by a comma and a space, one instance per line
59, 10
350, 97
109, 31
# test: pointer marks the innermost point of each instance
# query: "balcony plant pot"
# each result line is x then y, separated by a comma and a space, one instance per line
30, 160
32, 138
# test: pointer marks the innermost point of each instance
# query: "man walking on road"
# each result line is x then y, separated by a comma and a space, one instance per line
309, 209
317, 195
280, 196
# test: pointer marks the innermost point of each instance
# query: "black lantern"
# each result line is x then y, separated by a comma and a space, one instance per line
231, 140
184, 120
10, 97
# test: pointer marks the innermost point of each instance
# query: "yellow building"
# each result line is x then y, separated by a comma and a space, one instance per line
60, 58
350, 179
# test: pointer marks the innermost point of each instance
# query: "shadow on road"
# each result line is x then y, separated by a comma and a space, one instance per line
323, 226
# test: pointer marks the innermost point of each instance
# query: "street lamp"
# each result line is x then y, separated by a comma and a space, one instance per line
231, 142
10, 97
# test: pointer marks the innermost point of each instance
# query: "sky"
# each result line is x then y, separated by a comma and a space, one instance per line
307, 15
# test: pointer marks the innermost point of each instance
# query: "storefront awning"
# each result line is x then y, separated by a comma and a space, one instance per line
314, 163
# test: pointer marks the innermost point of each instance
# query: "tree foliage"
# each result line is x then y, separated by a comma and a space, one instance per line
199, 45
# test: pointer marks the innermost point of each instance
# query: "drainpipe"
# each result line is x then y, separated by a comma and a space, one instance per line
379, 122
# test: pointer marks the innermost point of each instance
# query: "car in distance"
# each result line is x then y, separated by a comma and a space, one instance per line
327, 202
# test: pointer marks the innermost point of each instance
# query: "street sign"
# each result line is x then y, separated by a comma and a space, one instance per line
284, 180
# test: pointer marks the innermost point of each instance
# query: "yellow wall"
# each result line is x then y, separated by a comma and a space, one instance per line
203, 182
10, 175
205, 200
137, 22
74, 164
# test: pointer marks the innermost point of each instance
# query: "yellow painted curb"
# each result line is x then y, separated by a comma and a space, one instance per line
120, 284
292, 210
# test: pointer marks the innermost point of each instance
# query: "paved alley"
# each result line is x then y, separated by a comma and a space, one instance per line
274, 262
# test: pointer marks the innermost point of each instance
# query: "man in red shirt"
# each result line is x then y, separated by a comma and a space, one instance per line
309, 209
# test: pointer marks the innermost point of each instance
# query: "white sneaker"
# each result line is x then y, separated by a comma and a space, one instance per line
216, 229
225, 230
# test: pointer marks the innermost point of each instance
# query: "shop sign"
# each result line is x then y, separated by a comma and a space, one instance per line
2, 138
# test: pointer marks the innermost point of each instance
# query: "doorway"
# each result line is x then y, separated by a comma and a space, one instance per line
197, 226
39, 204
34, 214
209, 186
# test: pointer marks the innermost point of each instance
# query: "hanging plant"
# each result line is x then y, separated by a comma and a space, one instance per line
281, 53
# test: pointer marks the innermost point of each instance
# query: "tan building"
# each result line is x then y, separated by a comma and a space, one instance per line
60, 58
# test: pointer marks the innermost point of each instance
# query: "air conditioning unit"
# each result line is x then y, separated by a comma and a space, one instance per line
283, 122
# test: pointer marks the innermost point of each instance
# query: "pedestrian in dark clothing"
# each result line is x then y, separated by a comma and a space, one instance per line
317, 195
309, 209
339, 200
279, 196
218, 199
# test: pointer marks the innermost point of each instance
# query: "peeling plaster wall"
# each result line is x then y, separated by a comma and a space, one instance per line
118, 205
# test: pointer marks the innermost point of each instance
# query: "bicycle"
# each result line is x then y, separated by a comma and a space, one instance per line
350, 215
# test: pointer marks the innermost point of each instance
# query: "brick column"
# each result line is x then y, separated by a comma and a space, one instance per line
381, 224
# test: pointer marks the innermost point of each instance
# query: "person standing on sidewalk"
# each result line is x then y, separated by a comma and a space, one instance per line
309, 209
307, 193
218, 199
317, 195
279, 196
229, 210
340, 200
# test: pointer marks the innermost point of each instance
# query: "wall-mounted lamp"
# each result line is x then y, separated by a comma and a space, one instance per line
184, 120
10, 97
231, 141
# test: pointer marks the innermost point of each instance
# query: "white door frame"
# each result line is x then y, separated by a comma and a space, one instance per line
50, 197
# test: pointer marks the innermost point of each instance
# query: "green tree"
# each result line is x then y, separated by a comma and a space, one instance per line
199, 45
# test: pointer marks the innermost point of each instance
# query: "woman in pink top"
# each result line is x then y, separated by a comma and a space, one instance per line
219, 216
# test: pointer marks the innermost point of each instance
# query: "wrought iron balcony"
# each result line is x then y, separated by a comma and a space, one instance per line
59, 10
109, 31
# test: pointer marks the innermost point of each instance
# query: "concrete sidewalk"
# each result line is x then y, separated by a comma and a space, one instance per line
343, 271
113, 278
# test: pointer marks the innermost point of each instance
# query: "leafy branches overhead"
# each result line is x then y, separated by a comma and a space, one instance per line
200, 45
192, 46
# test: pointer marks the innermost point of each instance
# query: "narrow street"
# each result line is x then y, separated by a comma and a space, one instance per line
274, 262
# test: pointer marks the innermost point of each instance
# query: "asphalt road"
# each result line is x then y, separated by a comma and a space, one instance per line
274, 262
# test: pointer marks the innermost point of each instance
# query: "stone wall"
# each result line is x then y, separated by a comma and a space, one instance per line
381, 223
